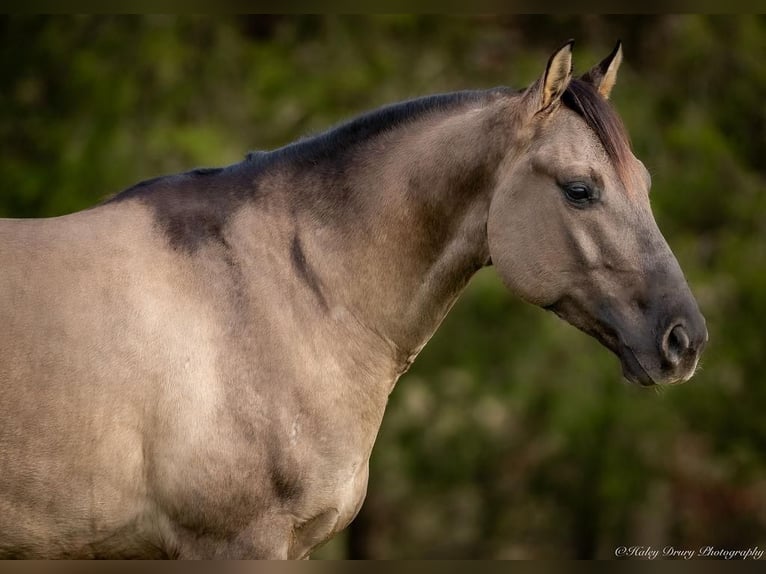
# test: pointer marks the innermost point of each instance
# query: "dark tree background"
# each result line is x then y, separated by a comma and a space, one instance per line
513, 435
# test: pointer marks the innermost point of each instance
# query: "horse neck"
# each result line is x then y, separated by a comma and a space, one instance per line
406, 228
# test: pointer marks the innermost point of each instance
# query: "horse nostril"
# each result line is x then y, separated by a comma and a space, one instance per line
675, 344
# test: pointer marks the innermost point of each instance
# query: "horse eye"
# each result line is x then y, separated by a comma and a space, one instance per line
578, 193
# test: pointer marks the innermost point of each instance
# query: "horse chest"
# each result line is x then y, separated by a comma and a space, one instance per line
340, 508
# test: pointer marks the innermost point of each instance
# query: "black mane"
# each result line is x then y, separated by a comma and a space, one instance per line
335, 141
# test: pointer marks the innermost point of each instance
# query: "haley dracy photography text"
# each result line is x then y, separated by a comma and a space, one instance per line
652, 553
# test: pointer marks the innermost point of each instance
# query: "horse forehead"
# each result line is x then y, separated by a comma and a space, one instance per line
569, 141
568, 138
567, 149
563, 152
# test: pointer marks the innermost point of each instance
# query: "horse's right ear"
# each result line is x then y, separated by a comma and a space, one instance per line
547, 90
603, 76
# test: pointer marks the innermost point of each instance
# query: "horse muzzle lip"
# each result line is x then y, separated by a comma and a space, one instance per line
632, 369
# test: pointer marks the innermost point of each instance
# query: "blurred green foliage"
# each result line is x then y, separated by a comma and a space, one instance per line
512, 435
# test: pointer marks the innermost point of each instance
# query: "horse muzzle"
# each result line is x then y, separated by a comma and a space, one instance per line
663, 350
674, 356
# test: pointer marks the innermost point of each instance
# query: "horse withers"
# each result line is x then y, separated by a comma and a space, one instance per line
198, 367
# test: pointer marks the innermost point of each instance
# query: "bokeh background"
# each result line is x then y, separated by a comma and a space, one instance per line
513, 435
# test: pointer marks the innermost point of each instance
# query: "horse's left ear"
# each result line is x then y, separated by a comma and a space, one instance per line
604, 75
547, 90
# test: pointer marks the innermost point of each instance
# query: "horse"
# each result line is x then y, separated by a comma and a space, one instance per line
198, 366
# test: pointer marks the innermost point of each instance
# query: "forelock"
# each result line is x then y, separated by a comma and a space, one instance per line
583, 99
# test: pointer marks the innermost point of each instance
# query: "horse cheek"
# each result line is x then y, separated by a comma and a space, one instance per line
524, 253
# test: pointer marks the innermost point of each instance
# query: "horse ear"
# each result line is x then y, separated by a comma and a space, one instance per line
547, 90
603, 76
